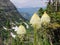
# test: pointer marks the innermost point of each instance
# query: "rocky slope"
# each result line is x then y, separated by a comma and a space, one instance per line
8, 12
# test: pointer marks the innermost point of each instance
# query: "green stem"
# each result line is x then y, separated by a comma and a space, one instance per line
22, 42
35, 37
17, 41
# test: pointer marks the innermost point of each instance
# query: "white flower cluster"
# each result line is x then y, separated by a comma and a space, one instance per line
21, 30
36, 21
45, 19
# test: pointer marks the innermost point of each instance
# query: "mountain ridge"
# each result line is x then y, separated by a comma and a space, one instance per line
29, 11
8, 12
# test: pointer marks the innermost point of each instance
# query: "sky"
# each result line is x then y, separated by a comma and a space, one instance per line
29, 3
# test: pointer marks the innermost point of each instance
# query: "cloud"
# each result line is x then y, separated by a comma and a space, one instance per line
29, 3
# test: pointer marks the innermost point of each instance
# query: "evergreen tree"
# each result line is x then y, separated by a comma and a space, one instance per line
40, 11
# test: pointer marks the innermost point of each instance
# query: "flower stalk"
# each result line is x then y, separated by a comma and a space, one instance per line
35, 37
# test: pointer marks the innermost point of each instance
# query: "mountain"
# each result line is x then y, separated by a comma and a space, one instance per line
8, 12
27, 16
27, 12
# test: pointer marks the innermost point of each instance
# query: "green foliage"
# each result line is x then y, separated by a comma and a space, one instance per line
8, 24
54, 25
40, 11
4, 34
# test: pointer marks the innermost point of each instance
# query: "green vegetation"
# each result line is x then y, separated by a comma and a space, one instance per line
54, 27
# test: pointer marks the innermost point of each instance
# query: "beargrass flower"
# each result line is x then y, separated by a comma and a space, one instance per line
45, 19
21, 30
35, 21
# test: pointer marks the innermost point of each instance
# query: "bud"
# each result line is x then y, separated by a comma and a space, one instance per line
15, 28
13, 35
27, 26
45, 19
5, 28
35, 21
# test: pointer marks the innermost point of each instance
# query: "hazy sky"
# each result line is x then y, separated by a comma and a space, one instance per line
29, 3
